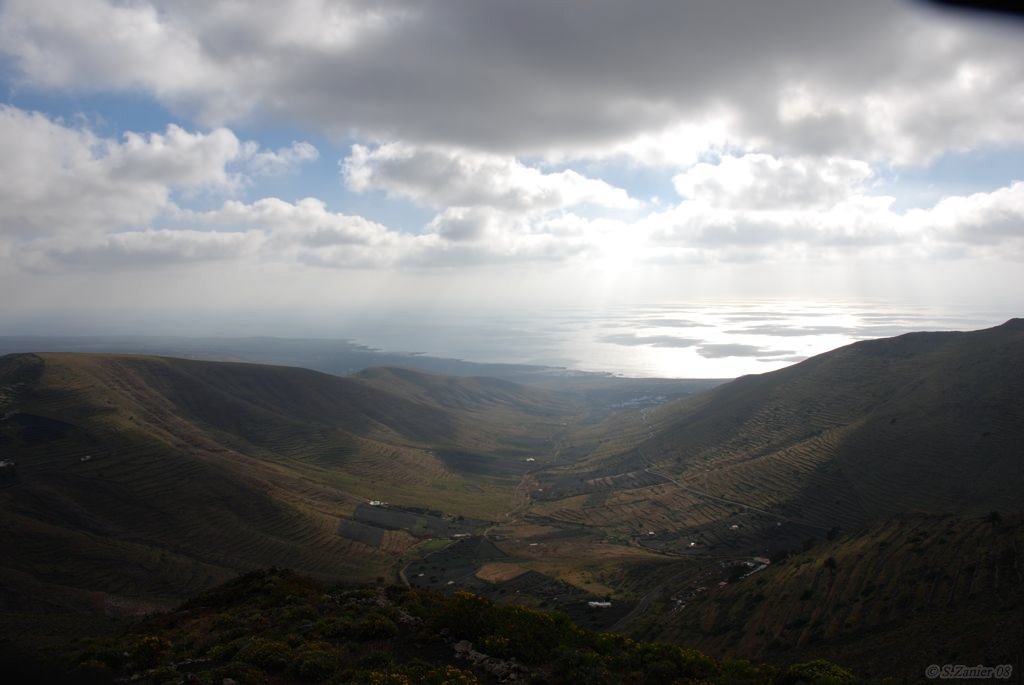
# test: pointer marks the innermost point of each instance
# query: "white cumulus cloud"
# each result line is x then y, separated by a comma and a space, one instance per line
761, 181
442, 177
60, 178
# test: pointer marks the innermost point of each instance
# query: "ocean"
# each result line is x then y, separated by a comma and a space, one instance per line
721, 339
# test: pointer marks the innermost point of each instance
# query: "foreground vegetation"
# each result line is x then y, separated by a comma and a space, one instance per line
278, 626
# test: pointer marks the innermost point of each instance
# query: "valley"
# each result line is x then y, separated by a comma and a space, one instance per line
863, 502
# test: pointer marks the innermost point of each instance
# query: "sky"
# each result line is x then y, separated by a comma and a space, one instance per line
269, 167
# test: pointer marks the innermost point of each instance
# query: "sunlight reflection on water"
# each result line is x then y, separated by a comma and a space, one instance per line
721, 339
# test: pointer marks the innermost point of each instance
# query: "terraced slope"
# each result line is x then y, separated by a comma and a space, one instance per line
150, 478
892, 599
924, 422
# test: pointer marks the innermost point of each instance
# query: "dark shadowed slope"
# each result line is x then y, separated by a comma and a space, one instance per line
889, 600
930, 422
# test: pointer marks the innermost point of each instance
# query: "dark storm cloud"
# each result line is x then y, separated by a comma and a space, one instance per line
535, 76
531, 75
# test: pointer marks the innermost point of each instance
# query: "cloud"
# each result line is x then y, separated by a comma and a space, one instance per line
307, 220
444, 177
175, 158
306, 232
94, 44
982, 219
270, 163
74, 188
464, 223
761, 181
142, 249
58, 178
869, 80
735, 214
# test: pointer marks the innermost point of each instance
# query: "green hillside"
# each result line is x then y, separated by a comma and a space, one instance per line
136, 480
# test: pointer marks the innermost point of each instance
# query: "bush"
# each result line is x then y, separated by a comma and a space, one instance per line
495, 645
375, 628
93, 671
315, 661
267, 654
241, 673
818, 672
380, 678
442, 675
580, 666
375, 661
150, 651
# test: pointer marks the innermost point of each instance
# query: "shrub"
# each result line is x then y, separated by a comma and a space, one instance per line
150, 651
580, 666
818, 672
93, 671
495, 645
315, 661
375, 628
241, 673
442, 675
267, 654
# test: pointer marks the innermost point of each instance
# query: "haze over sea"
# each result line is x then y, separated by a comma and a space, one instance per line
720, 339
